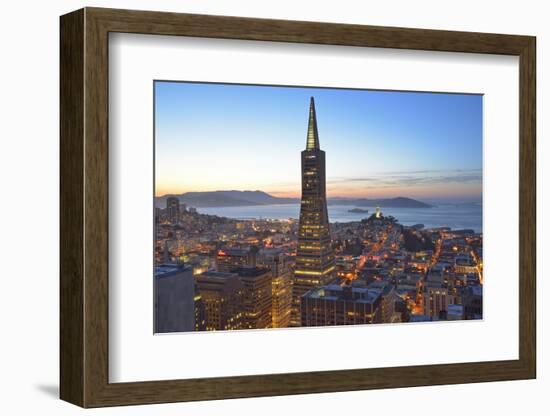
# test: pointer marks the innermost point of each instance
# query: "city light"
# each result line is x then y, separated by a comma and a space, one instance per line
215, 273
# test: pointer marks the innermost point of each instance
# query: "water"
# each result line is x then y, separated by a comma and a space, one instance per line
456, 216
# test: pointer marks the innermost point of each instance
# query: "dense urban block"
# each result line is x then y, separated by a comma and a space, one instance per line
218, 273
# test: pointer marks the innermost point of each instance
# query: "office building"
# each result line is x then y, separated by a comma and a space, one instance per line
436, 301
229, 259
472, 299
340, 305
257, 299
315, 260
281, 285
173, 209
220, 297
387, 302
455, 312
174, 298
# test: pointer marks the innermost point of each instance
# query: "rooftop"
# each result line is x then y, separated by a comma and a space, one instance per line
169, 269
464, 261
234, 251
215, 277
349, 293
477, 290
455, 309
251, 271
271, 251
419, 318
212, 273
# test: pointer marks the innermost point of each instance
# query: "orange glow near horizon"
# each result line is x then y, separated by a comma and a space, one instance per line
377, 144
343, 191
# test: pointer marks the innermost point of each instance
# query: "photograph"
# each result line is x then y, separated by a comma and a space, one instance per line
298, 206
241, 195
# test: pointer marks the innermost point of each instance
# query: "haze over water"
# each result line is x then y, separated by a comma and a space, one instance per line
456, 215
378, 144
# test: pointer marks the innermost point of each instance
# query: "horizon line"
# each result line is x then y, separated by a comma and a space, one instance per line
480, 196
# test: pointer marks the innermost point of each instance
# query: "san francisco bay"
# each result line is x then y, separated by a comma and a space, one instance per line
455, 216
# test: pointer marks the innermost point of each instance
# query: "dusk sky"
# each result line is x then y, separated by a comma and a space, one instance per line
378, 143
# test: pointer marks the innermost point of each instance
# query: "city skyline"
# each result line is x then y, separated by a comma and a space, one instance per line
218, 273
382, 143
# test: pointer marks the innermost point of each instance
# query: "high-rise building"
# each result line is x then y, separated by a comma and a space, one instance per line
173, 209
436, 301
229, 259
314, 257
472, 300
340, 305
166, 255
455, 312
220, 297
281, 284
387, 304
174, 298
257, 300
157, 215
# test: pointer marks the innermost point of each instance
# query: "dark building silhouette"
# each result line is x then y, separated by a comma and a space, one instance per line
314, 257
174, 298
473, 302
219, 301
172, 209
229, 259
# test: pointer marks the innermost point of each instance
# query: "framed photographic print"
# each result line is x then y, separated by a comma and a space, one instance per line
255, 207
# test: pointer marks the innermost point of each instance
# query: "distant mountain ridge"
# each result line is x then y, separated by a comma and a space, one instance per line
399, 202
213, 199
226, 199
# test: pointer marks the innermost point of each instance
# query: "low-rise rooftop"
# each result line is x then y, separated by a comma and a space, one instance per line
251, 271
216, 275
345, 293
169, 269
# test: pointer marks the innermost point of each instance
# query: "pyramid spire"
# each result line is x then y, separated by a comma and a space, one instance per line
312, 133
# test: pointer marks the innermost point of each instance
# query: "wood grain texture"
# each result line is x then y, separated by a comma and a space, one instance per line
84, 207
96, 208
71, 208
528, 207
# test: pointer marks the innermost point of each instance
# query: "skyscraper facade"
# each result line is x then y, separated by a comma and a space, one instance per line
314, 256
174, 298
173, 209
257, 300
281, 284
219, 301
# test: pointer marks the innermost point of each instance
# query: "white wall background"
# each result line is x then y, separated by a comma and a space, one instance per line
29, 158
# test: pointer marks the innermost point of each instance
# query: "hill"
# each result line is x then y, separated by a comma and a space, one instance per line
399, 202
226, 199
250, 198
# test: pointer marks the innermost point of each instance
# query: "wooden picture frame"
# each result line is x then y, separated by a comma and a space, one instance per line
84, 207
